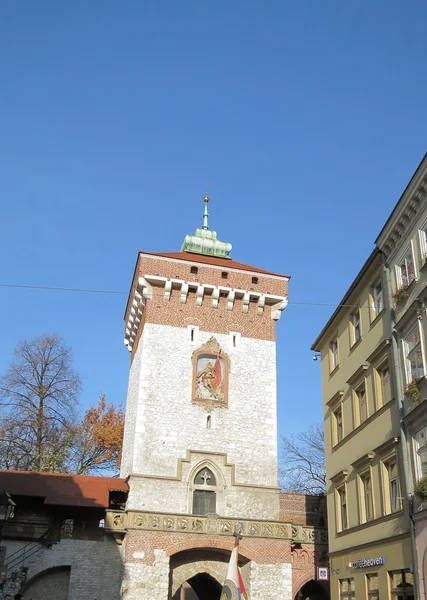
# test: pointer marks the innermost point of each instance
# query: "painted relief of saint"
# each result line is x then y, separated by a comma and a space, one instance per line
210, 378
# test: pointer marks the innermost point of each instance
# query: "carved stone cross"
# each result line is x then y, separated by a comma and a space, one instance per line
205, 477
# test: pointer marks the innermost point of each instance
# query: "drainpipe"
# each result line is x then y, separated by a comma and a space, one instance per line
398, 387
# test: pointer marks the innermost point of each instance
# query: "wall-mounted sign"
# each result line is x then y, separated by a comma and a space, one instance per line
322, 573
367, 562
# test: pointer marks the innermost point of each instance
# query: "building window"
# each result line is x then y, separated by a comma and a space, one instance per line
361, 405
337, 426
414, 362
377, 300
406, 270
342, 520
255, 280
421, 453
347, 590
355, 329
224, 275
383, 384
333, 355
391, 487
402, 584
423, 242
372, 586
204, 494
194, 270
367, 498
192, 333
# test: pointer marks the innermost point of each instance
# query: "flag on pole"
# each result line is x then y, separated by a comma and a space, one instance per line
234, 588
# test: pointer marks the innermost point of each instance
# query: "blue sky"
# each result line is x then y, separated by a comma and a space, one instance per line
308, 118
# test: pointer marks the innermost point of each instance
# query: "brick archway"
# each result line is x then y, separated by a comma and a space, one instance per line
185, 573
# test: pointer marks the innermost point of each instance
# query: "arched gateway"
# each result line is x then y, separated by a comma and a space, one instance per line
200, 443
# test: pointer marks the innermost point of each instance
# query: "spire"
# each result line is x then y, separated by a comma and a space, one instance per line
205, 213
205, 241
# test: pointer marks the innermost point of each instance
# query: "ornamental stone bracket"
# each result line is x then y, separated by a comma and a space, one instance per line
143, 291
120, 521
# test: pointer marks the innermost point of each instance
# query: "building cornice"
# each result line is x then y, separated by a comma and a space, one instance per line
405, 211
203, 293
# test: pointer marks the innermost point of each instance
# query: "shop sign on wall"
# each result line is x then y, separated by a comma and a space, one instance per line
367, 562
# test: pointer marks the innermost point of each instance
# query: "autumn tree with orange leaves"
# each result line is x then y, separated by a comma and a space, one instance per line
40, 428
98, 441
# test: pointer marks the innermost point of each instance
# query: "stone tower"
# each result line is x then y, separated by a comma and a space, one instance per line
200, 445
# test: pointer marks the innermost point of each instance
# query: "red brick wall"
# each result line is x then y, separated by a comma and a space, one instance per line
205, 316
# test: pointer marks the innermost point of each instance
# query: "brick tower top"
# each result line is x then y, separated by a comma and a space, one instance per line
201, 286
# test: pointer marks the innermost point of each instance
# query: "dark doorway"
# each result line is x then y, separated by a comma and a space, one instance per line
312, 590
203, 587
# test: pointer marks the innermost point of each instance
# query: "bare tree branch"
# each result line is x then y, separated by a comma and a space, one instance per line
302, 461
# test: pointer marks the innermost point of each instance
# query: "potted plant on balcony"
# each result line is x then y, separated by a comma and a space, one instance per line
420, 488
400, 295
413, 392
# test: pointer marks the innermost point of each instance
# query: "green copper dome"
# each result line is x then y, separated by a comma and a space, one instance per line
205, 241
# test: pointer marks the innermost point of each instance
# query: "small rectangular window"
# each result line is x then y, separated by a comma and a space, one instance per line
355, 328
413, 355
367, 497
338, 432
192, 333
333, 355
361, 405
383, 384
421, 449
406, 269
342, 508
377, 300
255, 280
224, 275
423, 240
402, 585
392, 501
194, 270
372, 586
347, 589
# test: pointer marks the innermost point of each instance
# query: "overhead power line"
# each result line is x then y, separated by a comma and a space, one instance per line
120, 293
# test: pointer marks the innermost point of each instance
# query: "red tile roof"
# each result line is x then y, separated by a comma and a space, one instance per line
62, 489
228, 263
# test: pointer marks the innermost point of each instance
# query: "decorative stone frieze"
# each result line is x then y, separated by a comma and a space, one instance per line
117, 521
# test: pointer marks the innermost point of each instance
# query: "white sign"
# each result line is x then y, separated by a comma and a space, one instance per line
322, 573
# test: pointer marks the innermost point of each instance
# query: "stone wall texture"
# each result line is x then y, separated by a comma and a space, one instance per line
95, 567
164, 423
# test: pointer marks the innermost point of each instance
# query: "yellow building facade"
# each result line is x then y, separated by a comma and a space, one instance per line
368, 511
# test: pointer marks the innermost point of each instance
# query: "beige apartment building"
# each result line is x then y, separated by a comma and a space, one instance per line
369, 528
403, 242
373, 367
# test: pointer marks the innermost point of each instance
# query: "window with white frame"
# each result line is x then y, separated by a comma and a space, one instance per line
342, 508
337, 426
361, 408
421, 453
377, 300
355, 329
383, 384
406, 269
367, 499
413, 354
391, 487
423, 241
333, 355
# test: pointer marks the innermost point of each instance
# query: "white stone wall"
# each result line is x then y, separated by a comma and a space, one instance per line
271, 581
175, 495
165, 423
147, 582
96, 567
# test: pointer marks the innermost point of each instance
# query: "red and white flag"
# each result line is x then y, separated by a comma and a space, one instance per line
234, 588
